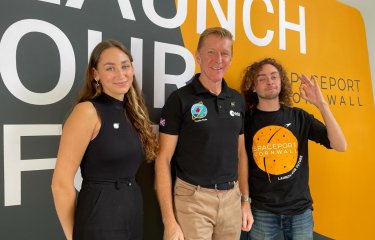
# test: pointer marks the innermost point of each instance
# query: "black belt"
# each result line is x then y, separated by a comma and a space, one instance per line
116, 182
220, 186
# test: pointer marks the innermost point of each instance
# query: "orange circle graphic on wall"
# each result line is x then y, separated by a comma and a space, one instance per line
275, 149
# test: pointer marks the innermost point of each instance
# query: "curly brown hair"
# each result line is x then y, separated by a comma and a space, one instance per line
134, 103
249, 81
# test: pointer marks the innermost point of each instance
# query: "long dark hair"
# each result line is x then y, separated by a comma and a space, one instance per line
133, 101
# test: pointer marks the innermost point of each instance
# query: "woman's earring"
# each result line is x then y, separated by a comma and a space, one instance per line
97, 84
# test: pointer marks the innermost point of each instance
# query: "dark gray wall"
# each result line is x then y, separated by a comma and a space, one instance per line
38, 66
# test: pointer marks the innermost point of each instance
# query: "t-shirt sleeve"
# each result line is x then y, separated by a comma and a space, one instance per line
171, 115
318, 132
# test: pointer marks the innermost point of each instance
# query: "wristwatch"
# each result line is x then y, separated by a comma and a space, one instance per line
245, 199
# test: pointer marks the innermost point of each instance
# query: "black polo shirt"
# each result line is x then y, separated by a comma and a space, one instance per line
208, 128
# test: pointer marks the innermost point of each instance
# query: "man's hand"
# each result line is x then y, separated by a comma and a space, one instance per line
310, 91
173, 232
247, 217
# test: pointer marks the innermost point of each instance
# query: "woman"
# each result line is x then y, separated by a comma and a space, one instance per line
108, 134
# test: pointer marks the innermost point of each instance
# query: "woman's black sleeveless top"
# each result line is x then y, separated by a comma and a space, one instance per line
116, 151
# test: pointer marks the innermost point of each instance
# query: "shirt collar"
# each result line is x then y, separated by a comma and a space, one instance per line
199, 89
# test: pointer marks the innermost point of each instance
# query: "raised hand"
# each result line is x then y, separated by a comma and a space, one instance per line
310, 91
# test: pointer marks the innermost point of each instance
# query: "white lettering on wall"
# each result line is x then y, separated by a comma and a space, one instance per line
8, 65
93, 39
75, 3
125, 8
283, 25
161, 78
247, 24
51, 1
176, 21
227, 23
137, 53
14, 165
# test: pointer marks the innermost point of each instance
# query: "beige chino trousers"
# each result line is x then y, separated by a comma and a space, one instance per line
205, 214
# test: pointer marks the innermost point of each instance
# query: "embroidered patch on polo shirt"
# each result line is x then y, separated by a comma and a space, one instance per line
234, 114
198, 112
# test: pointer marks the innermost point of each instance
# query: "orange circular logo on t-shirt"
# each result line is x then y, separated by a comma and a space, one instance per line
275, 149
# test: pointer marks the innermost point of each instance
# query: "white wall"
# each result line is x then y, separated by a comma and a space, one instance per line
367, 9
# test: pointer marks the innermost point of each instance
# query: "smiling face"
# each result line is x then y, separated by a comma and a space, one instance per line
268, 83
115, 72
214, 58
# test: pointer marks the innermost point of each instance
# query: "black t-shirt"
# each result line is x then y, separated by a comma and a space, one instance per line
208, 128
116, 152
277, 145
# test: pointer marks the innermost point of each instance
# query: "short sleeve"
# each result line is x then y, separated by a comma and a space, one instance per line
318, 132
171, 115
